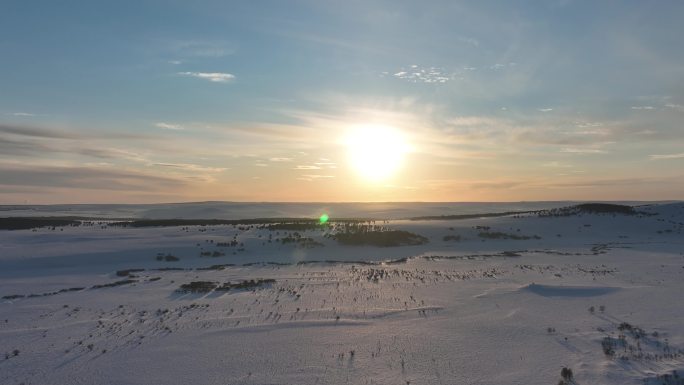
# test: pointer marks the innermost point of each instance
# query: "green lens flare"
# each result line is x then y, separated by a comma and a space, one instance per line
323, 219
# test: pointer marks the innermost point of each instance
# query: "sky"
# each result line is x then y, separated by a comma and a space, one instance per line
171, 101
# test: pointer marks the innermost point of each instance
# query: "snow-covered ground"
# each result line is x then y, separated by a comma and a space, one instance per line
600, 294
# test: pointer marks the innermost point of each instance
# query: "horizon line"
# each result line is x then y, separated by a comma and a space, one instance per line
333, 202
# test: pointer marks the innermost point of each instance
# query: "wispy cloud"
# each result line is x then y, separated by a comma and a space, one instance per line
23, 114
543, 136
169, 126
36, 148
588, 124
556, 164
494, 185
307, 167
673, 106
499, 66
205, 48
281, 159
593, 183
314, 177
94, 178
667, 156
217, 77
418, 74
643, 108
47, 143
583, 151
191, 167
61, 133
37, 132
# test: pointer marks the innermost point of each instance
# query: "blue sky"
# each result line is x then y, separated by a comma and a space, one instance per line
173, 101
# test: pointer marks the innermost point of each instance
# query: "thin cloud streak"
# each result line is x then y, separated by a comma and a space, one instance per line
191, 167
216, 77
37, 132
667, 156
168, 126
92, 178
314, 177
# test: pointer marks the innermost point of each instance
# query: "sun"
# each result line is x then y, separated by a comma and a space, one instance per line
376, 152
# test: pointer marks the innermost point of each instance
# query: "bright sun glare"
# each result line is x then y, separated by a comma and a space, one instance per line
375, 151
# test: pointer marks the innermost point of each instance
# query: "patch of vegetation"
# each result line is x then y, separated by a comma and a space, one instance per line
213, 254
592, 208
608, 345
500, 235
13, 296
114, 284
633, 343
203, 287
454, 238
177, 222
216, 267
50, 293
666, 379
197, 287
567, 377
216, 222
469, 216
636, 332
299, 226
297, 239
67, 290
232, 243
251, 284
25, 223
371, 235
605, 208
167, 257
